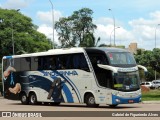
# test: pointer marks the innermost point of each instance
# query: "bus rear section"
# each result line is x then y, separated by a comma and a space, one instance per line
47, 77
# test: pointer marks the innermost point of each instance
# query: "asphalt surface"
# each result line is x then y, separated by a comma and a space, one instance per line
145, 107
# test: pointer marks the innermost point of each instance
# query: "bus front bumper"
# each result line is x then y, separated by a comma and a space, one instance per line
121, 100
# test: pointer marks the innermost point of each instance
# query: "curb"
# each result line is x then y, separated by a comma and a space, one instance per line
150, 102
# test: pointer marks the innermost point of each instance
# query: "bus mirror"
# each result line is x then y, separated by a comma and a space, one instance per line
107, 67
144, 68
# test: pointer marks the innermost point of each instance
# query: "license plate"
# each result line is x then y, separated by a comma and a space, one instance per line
130, 101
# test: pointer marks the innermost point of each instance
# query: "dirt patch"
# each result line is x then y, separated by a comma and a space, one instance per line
145, 89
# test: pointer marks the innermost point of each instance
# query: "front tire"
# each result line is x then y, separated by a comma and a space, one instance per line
33, 99
90, 101
113, 106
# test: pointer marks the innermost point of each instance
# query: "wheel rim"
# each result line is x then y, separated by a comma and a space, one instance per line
91, 100
33, 99
24, 98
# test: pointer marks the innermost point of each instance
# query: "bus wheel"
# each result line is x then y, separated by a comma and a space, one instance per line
24, 99
55, 103
112, 106
33, 99
90, 101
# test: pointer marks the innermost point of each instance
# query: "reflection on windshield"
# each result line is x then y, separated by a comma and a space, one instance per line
127, 81
121, 58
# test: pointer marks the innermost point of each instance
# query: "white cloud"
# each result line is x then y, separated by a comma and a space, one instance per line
142, 31
48, 31
46, 27
15, 4
106, 33
46, 17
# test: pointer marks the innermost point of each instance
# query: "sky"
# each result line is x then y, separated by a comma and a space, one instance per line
137, 20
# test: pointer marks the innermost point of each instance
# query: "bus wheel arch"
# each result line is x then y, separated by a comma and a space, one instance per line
24, 98
89, 99
32, 98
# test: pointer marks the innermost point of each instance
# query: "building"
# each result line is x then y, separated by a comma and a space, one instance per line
133, 48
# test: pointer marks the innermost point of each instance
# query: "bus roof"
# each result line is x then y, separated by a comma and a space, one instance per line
67, 51
49, 52
107, 49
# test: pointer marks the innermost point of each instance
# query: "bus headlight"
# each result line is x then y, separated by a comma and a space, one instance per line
118, 101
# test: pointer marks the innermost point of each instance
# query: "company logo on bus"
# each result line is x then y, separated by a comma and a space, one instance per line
127, 69
58, 73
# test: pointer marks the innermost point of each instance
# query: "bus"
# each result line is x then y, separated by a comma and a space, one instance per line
73, 75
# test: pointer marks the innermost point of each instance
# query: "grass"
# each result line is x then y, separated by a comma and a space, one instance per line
152, 95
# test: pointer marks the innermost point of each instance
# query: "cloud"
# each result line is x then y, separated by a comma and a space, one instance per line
48, 31
105, 32
142, 31
46, 26
14, 4
46, 17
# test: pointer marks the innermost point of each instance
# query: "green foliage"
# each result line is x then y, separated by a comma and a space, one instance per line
25, 36
77, 29
150, 59
151, 95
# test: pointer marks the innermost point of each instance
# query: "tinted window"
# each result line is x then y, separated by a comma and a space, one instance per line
17, 64
142, 83
6, 63
34, 63
25, 64
60, 62
121, 58
147, 83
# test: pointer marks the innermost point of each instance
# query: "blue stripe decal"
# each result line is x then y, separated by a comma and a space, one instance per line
68, 93
8, 57
71, 83
76, 89
68, 80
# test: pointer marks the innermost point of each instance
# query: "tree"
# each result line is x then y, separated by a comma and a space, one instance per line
151, 60
89, 41
25, 35
77, 29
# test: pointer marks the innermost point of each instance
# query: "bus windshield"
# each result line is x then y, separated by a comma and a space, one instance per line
121, 58
127, 81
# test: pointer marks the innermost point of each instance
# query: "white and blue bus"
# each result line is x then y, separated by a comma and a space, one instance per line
76, 75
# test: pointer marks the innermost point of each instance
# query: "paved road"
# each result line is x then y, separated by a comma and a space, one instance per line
9, 105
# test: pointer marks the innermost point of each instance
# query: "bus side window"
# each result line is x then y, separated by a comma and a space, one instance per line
79, 62
17, 64
5, 64
25, 64
34, 63
40, 63
69, 62
52, 63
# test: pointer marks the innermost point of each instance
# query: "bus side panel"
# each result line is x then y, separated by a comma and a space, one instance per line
13, 84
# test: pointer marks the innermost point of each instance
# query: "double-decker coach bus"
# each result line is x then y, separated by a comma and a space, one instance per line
76, 75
